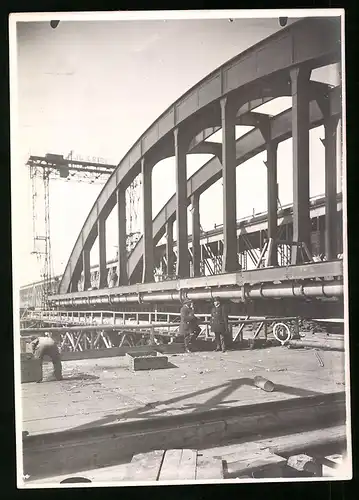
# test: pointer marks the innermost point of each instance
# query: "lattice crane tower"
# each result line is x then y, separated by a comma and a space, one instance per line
90, 170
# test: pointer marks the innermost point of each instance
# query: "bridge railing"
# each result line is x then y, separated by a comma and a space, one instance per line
111, 317
81, 336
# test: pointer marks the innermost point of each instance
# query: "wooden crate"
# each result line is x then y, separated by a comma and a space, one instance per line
148, 362
31, 368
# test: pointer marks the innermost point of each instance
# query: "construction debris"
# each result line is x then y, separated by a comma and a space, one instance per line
264, 384
319, 358
304, 463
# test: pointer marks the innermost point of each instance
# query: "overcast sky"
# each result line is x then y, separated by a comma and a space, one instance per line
94, 87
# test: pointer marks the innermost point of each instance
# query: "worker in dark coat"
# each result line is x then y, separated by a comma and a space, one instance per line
46, 346
188, 325
219, 324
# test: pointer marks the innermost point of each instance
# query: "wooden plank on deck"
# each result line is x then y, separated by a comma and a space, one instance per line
145, 466
170, 465
333, 460
208, 468
278, 444
187, 467
330, 465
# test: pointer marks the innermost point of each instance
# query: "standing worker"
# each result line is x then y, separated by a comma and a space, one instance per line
219, 324
188, 325
46, 346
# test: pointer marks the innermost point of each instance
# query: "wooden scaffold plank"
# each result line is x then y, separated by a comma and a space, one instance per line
170, 465
208, 467
145, 466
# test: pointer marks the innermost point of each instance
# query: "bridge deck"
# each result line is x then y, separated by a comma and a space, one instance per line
98, 392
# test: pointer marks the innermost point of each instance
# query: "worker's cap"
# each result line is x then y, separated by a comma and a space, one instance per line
187, 301
216, 299
33, 337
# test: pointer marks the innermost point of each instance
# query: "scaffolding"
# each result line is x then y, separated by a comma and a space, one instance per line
42, 169
41, 237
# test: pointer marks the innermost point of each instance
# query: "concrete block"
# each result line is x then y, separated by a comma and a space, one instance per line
31, 368
148, 362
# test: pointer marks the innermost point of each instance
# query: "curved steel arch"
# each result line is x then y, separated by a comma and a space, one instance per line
312, 42
248, 146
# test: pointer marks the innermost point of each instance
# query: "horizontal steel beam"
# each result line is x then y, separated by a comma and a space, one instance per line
57, 160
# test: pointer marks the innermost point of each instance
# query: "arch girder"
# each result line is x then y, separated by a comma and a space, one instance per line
311, 42
247, 146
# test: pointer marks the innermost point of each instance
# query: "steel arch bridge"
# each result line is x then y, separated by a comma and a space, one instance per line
280, 65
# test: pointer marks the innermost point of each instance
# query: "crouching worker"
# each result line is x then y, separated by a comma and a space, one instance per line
46, 346
219, 324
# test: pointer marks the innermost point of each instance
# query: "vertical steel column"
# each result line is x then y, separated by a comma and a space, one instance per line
196, 235
148, 253
86, 268
229, 262
169, 247
101, 225
122, 237
300, 131
272, 197
203, 265
74, 285
330, 143
182, 267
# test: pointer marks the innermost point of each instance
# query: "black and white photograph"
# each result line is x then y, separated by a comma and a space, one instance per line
179, 238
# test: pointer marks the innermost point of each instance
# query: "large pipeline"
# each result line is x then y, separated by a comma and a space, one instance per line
328, 289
